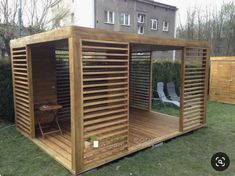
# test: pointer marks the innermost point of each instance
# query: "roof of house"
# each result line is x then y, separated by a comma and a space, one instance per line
152, 2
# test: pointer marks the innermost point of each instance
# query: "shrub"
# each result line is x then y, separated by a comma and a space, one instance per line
166, 72
6, 95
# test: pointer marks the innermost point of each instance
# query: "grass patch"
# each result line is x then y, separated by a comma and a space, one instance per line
183, 156
165, 109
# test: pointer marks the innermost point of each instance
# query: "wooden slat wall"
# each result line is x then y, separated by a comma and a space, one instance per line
194, 88
63, 83
22, 90
222, 82
105, 99
140, 80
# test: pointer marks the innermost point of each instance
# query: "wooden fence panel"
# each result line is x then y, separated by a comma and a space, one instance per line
24, 112
222, 82
63, 83
140, 80
194, 88
105, 100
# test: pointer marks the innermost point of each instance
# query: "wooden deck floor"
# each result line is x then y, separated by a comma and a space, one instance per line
145, 128
58, 146
148, 126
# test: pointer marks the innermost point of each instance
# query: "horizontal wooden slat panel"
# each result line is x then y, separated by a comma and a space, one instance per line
194, 88
21, 87
105, 95
140, 80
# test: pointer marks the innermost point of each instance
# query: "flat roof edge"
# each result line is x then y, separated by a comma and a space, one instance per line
101, 34
52, 35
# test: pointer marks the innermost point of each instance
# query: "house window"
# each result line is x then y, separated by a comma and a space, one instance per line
109, 17
140, 29
165, 26
153, 24
141, 18
125, 19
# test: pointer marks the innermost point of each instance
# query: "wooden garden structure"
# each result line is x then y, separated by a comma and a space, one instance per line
222, 79
103, 81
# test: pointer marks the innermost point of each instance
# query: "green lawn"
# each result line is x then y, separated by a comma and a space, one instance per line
188, 155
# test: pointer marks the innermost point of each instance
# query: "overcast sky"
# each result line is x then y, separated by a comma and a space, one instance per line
183, 5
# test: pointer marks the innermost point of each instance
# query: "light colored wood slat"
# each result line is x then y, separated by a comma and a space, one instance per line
194, 92
104, 113
192, 119
19, 51
20, 69
20, 73
103, 79
104, 90
105, 66
102, 54
21, 86
189, 108
22, 95
104, 119
187, 69
103, 48
192, 127
22, 82
19, 55
105, 60
22, 78
194, 88
193, 96
23, 125
105, 130
24, 121
194, 76
106, 84
194, 80
19, 60
22, 91
25, 65
22, 99
20, 111
104, 125
105, 73
104, 96
22, 116
193, 111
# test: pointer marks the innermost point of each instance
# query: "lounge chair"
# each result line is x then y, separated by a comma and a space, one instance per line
171, 92
162, 95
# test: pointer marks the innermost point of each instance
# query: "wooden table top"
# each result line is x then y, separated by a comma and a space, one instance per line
49, 107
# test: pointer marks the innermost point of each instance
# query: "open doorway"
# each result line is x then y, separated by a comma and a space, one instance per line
166, 69
51, 93
149, 119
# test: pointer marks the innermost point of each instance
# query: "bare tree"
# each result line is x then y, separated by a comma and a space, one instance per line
41, 18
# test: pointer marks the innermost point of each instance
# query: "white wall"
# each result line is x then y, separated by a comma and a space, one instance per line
84, 13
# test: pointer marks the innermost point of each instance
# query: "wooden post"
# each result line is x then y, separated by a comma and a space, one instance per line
206, 83
31, 99
150, 81
76, 95
182, 75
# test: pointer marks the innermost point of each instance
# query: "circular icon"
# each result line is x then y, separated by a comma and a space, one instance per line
220, 161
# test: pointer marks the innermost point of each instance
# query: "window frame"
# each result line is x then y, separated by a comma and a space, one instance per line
141, 14
152, 21
164, 28
124, 15
138, 31
107, 17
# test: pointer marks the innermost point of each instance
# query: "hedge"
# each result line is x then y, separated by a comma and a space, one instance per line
6, 95
166, 72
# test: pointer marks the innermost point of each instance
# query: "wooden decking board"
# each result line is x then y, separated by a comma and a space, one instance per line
145, 128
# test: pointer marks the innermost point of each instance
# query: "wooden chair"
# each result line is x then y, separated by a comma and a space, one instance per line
46, 110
